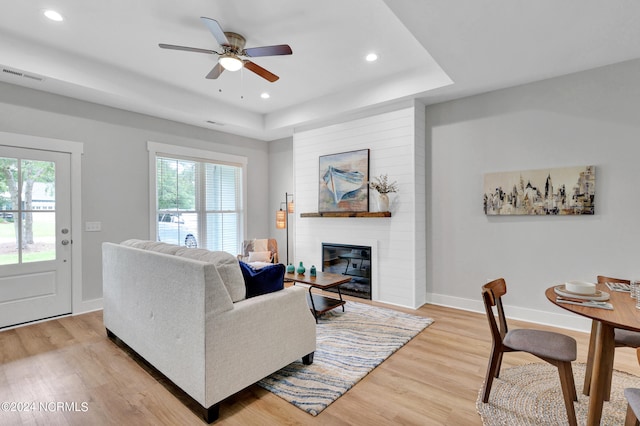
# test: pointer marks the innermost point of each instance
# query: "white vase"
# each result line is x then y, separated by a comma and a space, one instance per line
383, 202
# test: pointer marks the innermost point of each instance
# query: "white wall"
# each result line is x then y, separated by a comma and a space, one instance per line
115, 165
580, 119
395, 149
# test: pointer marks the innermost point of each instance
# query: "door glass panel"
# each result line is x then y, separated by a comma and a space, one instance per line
8, 242
43, 238
8, 217
27, 211
8, 183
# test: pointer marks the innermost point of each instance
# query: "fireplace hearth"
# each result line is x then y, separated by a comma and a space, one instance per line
351, 260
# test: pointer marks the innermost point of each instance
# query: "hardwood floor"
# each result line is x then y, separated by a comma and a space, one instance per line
433, 380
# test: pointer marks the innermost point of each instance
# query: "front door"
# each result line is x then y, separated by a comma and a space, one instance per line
35, 235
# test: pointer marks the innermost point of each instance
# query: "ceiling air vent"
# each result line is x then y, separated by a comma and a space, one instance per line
22, 74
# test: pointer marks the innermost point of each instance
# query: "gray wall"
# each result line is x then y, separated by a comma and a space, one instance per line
281, 182
115, 165
588, 118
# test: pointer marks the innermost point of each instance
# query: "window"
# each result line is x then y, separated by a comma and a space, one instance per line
27, 234
198, 197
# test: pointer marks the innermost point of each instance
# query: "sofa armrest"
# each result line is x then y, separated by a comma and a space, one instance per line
258, 337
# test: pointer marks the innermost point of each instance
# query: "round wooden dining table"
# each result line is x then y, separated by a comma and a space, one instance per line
624, 315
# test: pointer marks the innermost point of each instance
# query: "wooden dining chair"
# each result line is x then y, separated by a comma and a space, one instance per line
633, 402
623, 338
554, 348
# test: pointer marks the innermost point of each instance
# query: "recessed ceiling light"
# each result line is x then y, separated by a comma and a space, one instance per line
371, 57
265, 95
53, 15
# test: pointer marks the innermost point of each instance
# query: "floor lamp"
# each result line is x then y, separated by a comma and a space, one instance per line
282, 217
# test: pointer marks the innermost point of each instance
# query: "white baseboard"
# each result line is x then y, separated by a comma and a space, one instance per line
88, 306
552, 318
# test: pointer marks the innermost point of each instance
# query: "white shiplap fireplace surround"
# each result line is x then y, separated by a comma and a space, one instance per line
396, 143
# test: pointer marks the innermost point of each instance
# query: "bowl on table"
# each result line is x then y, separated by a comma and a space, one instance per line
580, 287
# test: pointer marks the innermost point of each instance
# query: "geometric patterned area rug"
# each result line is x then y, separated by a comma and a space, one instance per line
531, 395
349, 345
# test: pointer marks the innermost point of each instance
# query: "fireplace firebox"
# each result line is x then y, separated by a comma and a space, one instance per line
351, 260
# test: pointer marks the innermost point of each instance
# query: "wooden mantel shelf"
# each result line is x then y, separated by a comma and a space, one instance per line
347, 214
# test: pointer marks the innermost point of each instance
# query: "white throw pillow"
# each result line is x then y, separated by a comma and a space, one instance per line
259, 256
259, 265
260, 245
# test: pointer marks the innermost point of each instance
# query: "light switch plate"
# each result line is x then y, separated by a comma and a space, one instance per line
93, 226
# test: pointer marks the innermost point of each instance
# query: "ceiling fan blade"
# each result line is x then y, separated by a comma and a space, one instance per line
215, 72
281, 49
188, 49
267, 75
216, 30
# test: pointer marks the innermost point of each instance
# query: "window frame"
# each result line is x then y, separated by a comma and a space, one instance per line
159, 149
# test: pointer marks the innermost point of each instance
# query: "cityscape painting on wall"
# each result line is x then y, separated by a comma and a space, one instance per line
344, 181
561, 191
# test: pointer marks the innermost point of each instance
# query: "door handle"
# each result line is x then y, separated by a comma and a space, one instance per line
65, 242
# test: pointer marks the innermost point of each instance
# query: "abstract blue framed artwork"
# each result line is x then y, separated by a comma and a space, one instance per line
560, 191
344, 181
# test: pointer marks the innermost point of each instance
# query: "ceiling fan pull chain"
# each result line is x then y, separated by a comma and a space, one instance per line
242, 83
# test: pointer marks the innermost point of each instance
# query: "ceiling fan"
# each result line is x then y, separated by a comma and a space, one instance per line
233, 51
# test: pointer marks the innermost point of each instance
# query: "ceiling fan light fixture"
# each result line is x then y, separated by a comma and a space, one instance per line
230, 62
233, 51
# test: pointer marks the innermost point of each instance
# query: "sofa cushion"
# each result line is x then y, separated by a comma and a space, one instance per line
227, 266
157, 246
264, 280
131, 242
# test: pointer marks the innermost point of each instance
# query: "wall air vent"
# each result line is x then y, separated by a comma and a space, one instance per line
19, 74
33, 77
22, 74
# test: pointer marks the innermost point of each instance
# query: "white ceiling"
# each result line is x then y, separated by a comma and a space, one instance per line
432, 50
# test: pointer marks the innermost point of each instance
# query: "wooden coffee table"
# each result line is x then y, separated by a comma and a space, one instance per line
323, 280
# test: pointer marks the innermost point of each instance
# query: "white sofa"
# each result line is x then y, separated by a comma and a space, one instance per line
189, 319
